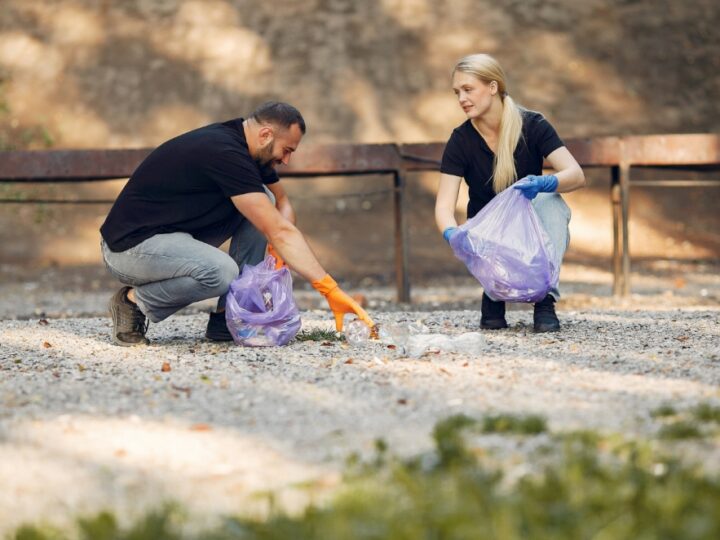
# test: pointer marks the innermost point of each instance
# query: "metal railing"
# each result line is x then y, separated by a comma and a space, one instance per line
620, 155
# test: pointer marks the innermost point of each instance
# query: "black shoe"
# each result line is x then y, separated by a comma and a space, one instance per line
492, 314
129, 323
544, 318
217, 329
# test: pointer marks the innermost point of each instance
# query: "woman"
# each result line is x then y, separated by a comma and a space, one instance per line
497, 145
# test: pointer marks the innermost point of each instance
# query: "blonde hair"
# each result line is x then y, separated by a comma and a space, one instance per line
485, 68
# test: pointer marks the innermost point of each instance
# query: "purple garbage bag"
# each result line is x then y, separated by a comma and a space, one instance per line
260, 309
506, 248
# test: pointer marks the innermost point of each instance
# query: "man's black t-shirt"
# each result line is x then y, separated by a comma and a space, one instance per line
185, 185
468, 155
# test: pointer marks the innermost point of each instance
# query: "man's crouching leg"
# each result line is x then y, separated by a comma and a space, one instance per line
129, 323
165, 273
248, 246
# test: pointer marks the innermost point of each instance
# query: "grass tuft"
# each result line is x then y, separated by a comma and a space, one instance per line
681, 429
707, 413
509, 423
663, 410
319, 335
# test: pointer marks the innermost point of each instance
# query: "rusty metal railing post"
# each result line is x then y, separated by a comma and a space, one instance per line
625, 211
402, 280
616, 218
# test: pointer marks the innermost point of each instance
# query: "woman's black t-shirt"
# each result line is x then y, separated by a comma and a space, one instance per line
468, 155
185, 185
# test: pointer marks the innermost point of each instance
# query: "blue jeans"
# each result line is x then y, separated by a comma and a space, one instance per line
554, 213
171, 271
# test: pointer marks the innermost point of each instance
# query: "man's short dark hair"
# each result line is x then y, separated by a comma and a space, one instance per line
280, 114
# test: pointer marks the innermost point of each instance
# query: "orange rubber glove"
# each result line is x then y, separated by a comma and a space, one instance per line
279, 263
340, 303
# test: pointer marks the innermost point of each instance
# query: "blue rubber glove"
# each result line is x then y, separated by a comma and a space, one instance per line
531, 185
449, 233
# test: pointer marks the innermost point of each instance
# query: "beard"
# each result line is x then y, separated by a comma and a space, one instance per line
265, 155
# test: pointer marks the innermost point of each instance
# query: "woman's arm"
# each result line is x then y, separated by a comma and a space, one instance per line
447, 197
569, 174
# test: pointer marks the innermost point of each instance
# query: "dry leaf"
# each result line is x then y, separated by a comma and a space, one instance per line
165, 367
402, 401
185, 389
44, 322
46, 344
349, 361
682, 338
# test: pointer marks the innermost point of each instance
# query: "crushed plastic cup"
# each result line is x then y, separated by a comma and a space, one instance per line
421, 344
394, 334
357, 333
399, 334
417, 327
468, 343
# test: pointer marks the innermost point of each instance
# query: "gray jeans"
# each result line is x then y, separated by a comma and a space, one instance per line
171, 271
554, 213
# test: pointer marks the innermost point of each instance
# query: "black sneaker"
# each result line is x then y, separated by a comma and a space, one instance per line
544, 318
129, 323
217, 329
492, 314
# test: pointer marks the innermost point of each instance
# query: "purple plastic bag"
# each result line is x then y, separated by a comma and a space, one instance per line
506, 248
260, 309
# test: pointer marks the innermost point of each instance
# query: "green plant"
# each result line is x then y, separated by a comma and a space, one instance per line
319, 335
663, 410
588, 486
680, 430
707, 413
508, 423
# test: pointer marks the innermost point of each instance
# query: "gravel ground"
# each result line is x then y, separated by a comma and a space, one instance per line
85, 425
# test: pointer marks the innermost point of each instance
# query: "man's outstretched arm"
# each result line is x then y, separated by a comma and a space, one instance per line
292, 247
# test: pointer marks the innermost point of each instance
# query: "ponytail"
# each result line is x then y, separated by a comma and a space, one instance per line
504, 172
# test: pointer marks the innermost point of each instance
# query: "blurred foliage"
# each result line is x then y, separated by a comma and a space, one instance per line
507, 423
574, 485
663, 410
687, 424
13, 134
707, 413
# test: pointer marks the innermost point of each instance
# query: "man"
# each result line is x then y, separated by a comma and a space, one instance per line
186, 198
